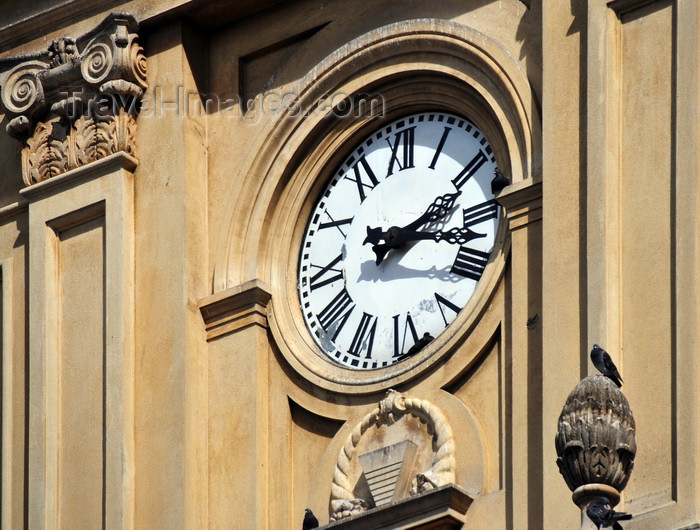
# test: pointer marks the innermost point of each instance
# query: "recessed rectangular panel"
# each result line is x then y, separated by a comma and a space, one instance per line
646, 213
81, 374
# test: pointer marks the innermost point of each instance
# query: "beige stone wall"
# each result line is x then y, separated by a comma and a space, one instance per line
156, 370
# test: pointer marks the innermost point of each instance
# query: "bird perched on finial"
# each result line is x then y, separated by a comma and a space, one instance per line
310, 520
499, 182
602, 361
604, 517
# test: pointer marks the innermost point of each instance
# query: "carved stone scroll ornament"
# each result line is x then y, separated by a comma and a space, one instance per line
595, 440
77, 101
391, 409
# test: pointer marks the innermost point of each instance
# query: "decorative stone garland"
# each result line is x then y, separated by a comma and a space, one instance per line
395, 405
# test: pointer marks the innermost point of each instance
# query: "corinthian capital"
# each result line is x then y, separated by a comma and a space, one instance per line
52, 99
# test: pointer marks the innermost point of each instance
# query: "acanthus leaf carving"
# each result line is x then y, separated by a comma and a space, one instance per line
46, 152
128, 134
94, 138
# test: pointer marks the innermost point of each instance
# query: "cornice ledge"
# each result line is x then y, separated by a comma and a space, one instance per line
443, 507
622, 7
46, 19
522, 202
235, 308
76, 102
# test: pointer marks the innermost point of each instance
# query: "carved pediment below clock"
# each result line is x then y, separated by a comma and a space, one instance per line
76, 102
402, 448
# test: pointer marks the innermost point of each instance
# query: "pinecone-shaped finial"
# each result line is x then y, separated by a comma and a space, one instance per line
595, 439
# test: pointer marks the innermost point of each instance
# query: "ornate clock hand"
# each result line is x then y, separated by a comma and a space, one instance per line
438, 209
457, 235
403, 236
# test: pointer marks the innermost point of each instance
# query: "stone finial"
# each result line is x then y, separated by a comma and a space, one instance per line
75, 102
595, 439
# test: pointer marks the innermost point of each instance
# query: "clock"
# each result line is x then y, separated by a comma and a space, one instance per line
398, 240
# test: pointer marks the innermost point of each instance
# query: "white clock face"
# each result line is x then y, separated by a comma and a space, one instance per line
398, 240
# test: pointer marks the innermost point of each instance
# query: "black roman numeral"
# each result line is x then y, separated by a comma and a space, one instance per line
404, 139
443, 305
400, 334
480, 213
469, 170
334, 316
364, 336
327, 274
362, 167
470, 263
335, 224
440, 145
339, 222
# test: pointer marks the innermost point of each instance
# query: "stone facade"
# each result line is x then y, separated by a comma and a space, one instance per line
160, 163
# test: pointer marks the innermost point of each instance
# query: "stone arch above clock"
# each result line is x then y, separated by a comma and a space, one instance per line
415, 65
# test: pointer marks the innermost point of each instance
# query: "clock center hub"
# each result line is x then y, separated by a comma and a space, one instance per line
407, 273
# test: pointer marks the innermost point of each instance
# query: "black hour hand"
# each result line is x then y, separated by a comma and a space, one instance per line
453, 236
374, 236
438, 209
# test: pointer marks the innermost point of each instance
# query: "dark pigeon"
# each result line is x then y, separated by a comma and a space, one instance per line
604, 517
310, 520
603, 362
421, 343
499, 182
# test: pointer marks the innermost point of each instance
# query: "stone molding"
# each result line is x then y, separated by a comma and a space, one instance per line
235, 308
391, 409
441, 508
76, 102
94, 204
78, 177
522, 202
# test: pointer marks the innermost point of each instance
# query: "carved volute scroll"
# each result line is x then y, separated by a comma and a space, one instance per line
76, 102
392, 409
595, 440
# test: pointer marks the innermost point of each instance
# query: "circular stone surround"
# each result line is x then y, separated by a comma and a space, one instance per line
415, 66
